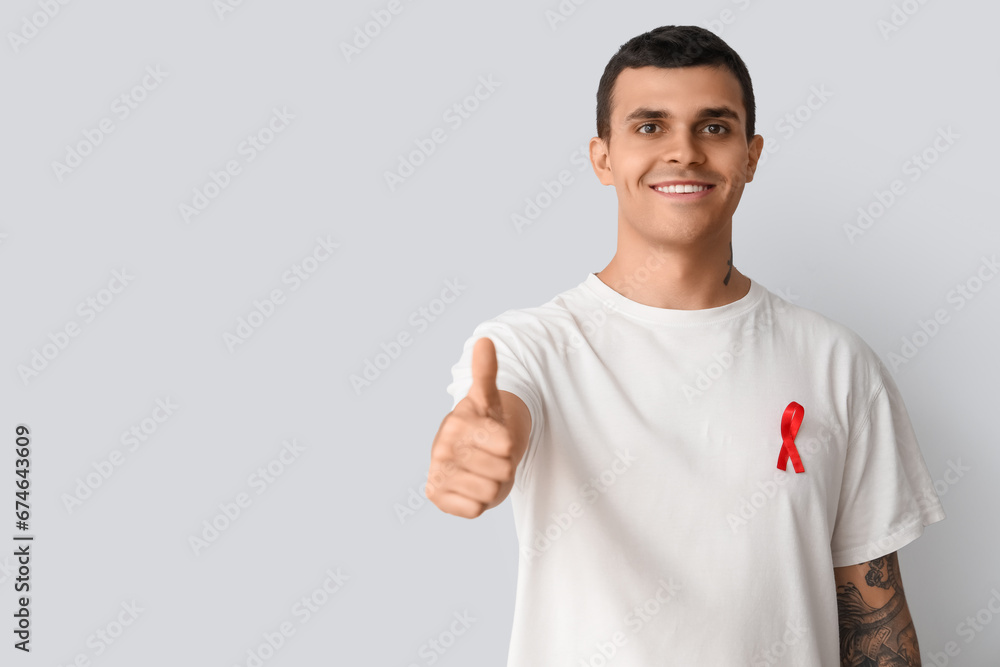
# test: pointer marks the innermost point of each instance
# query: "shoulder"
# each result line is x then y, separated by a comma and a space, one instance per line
809, 321
538, 330
812, 332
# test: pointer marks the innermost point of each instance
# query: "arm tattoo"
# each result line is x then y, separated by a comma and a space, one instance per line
725, 281
877, 637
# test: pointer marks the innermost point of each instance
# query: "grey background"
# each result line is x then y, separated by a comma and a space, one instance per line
366, 453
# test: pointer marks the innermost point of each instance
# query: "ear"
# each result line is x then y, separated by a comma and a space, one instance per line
600, 160
755, 149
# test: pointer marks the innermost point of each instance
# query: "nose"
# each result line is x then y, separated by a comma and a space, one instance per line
683, 148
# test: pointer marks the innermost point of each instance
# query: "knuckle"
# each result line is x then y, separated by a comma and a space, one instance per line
462, 449
480, 434
452, 428
439, 459
502, 445
490, 429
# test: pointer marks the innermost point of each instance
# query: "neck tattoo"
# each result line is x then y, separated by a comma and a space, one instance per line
725, 281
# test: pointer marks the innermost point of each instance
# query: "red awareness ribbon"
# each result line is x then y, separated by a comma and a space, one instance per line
790, 422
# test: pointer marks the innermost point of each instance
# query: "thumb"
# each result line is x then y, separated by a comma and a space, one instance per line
484, 392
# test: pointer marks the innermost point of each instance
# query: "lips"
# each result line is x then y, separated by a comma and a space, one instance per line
683, 191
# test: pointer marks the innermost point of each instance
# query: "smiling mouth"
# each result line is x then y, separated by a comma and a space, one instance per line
683, 189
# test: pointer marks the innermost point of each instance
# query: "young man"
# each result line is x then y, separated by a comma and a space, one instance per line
636, 420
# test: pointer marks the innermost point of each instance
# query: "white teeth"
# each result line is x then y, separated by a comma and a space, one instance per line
683, 188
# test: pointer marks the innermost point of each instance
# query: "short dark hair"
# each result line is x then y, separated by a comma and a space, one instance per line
672, 46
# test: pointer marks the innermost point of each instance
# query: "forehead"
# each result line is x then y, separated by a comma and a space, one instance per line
681, 90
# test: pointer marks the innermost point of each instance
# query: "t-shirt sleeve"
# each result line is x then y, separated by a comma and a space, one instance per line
512, 375
887, 495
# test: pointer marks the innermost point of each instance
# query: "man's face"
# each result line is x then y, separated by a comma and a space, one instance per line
680, 124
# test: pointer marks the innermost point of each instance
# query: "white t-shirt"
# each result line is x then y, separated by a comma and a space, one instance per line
654, 525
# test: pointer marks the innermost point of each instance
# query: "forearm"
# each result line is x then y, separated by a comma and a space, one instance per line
885, 636
876, 628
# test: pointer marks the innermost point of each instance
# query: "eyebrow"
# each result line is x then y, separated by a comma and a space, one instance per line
644, 113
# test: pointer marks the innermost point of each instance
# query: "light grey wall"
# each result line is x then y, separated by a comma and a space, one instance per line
361, 455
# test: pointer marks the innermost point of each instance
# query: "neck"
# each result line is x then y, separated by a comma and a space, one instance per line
678, 278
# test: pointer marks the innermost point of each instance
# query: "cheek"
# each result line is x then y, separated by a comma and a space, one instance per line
738, 164
734, 179
627, 171
633, 166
